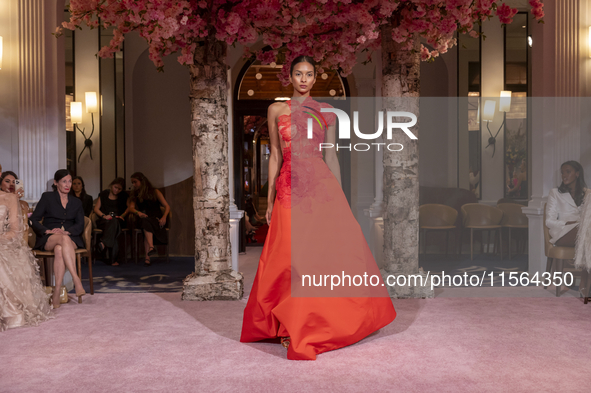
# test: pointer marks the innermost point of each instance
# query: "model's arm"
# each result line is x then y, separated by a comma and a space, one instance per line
166, 207
332, 161
276, 158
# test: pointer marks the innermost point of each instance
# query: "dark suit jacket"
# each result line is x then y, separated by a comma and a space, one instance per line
50, 210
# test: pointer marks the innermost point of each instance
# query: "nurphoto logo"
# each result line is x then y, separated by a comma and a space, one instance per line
344, 131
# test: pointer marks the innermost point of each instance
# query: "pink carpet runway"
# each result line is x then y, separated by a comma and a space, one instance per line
156, 342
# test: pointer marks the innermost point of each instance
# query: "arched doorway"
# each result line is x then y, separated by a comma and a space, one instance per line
257, 87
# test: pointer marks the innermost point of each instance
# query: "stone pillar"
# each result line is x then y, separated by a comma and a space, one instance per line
362, 162
375, 211
214, 278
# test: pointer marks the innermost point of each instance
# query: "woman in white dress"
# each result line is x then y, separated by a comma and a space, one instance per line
23, 302
563, 211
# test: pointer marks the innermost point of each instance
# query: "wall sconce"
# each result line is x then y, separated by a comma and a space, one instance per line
76, 112
489, 113
76, 115
530, 41
0, 52
588, 44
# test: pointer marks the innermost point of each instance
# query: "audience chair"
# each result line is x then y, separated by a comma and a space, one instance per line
559, 258
436, 217
80, 252
139, 232
513, 218
96, 232
482, 217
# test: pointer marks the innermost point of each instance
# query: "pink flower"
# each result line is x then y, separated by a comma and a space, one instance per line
506, 13
184, 20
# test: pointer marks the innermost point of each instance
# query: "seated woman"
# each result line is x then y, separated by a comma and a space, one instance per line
8, 184
61, 230
563, 210
145, 202
111, 209
79, 191
23, 302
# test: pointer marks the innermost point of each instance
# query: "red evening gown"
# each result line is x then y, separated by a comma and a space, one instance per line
313, 232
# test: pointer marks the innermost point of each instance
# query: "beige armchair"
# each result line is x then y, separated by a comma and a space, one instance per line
436, 217
513, 219
559, 258
484, 218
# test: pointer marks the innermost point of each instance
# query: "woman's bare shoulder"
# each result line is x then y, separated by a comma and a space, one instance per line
278, 108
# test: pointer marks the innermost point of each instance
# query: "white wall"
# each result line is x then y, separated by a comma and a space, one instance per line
162, 140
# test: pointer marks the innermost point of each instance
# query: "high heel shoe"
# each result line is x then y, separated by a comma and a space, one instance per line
285, 341
80, 294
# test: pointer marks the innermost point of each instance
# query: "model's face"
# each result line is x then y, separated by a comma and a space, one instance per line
302, 78
8, 184
64, 185
136, 184
116, 189
77, 186
569, 175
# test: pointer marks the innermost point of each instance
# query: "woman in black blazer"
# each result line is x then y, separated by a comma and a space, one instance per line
63, 224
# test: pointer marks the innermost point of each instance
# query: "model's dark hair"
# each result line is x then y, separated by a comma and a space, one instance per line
59, 175
119, 181
83, 192
146, 190
302, 59
580, 182
8, 173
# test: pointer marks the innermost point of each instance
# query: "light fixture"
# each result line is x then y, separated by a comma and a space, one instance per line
259, 75
250, 93
505, 101
489, 111
530, 41
91, 102
332, 92
324, 75
0, 52
282, 98
273, 64
92, 108
76, 112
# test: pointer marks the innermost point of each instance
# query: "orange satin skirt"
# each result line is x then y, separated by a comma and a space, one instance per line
314, 324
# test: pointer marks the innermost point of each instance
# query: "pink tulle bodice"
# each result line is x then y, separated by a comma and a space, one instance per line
303, 167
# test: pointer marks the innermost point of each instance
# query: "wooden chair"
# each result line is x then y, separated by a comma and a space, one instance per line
559, 258
482, 217
513, 219
140, 232
80, 252
436, 217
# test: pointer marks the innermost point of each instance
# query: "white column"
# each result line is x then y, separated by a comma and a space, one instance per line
556, 135
235, 214
41, 103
